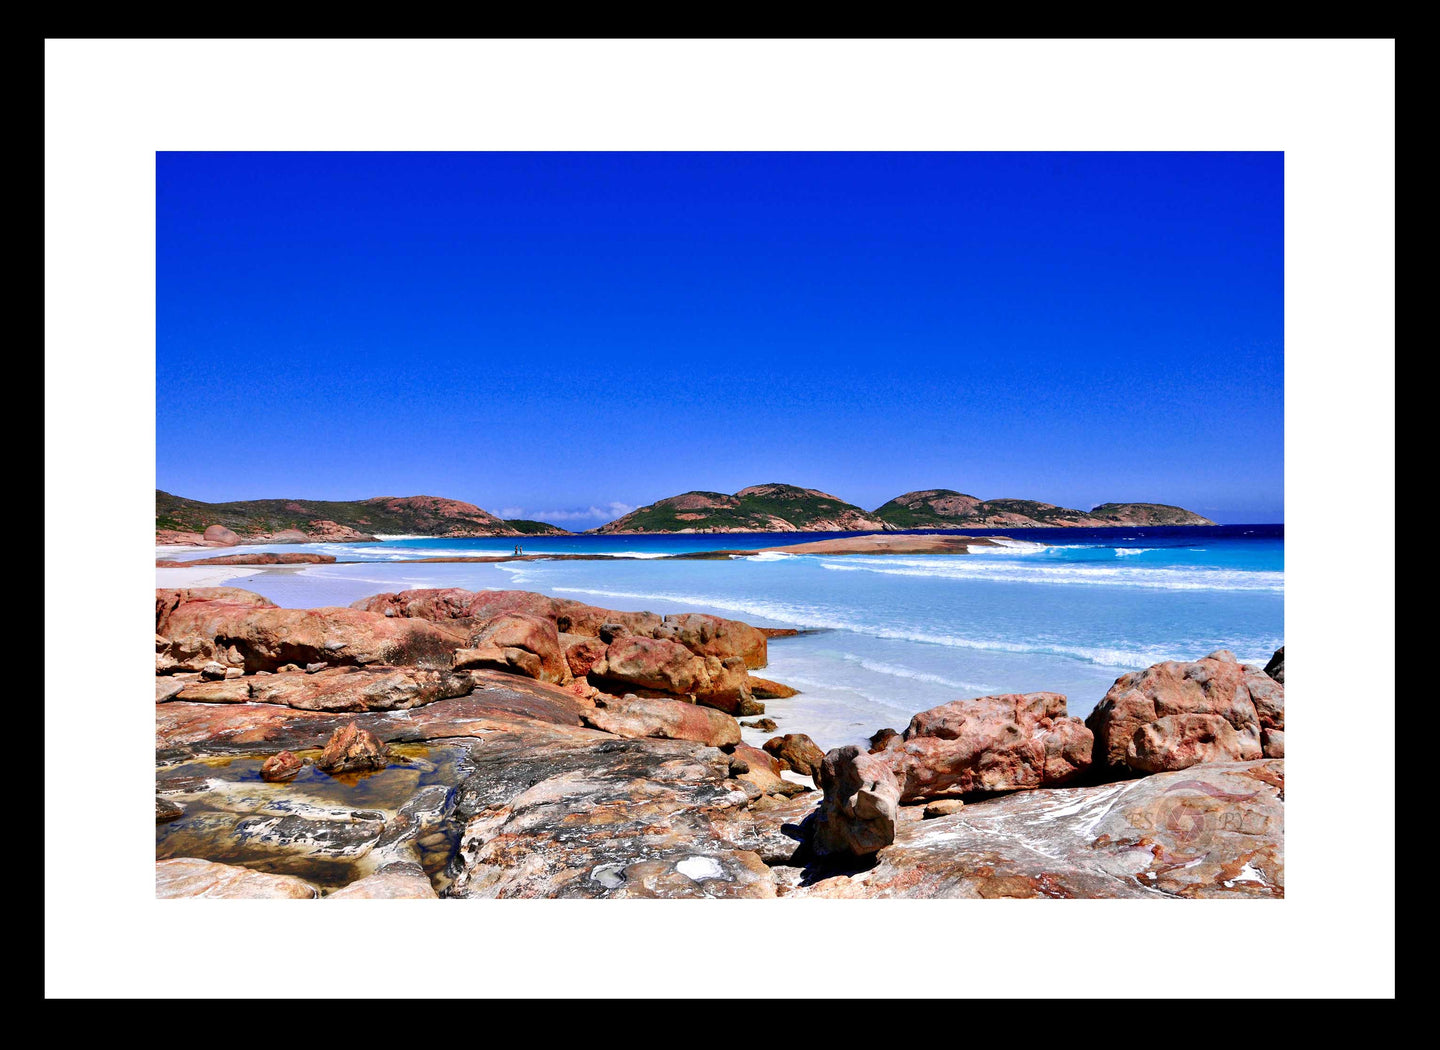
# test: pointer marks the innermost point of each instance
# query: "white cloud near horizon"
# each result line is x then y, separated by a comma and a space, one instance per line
599, 515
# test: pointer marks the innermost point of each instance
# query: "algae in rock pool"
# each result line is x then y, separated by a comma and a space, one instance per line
322, 828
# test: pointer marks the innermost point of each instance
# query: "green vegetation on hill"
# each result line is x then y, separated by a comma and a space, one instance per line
420, 515
753, 509
916, 510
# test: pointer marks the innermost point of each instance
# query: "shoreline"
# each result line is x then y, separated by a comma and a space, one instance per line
517, 740
869, 544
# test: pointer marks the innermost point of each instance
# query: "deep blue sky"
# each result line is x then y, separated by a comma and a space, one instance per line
548, 335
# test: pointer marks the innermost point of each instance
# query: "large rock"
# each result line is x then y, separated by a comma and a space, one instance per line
704, 635
1276, 667
636, 717
653, 663
401, 880
278, 768
261, 558
861, 805
220, 536
1178, 714
191, 877
1214, 831
499, 702
352, 749
665, 666
583, 654
765, 689
798, 752
343, 688
589, 815
989, 744
241, 630
520, 642
762, 771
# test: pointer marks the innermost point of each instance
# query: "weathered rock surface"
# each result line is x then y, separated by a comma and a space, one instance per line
343, 688
400, 880
498, 702
861, 805
241, 630
1276, 667
484, 783
352, 748
992, 743
638, 717
590, 815
582, 653
661, 665
762, 771
798, 752
765, 689
884, 739
1177, 714
704, 635
521, 642
281, 767
944, 807
220, 536
1208, 831
189, 877
288, 558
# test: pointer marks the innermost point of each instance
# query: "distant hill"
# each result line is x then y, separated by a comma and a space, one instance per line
526, 527
1147, 514
760, 508
948, 509
328, 519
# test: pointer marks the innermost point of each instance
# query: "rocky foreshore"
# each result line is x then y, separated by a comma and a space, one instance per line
449, 743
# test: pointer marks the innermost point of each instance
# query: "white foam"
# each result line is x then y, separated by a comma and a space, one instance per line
1009, 546
809, 616
918, 676
1122, 552
1071, 574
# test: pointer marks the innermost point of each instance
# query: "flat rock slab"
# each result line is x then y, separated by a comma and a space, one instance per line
189, 877
328, 830
1213, 830
610, 818
499, 701
395, 882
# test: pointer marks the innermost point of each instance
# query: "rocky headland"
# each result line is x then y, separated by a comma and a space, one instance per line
508, 744
185, 521
759, 508
948, 509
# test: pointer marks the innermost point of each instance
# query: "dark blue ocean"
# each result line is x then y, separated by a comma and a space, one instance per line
1060, 609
